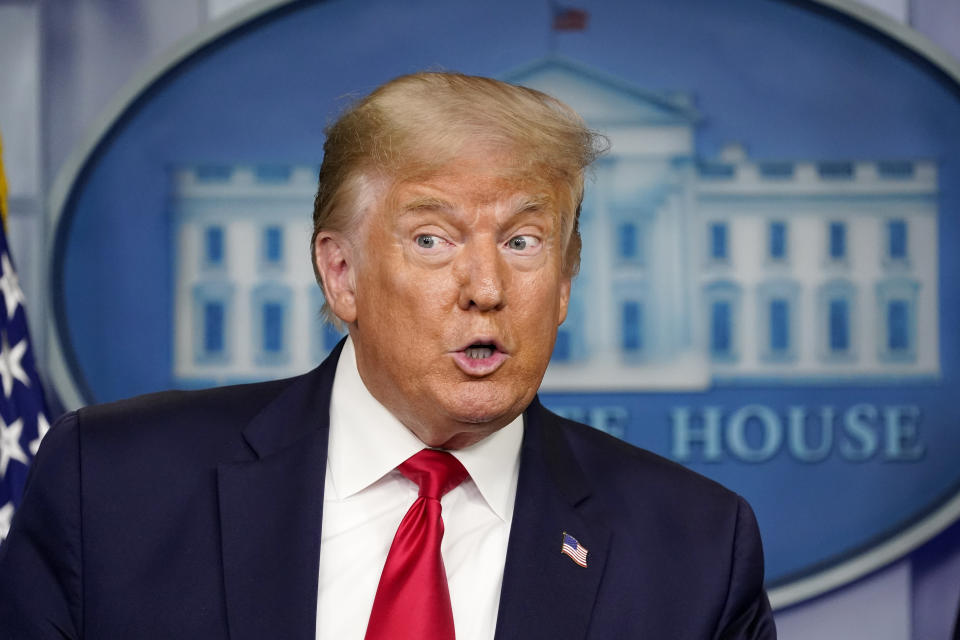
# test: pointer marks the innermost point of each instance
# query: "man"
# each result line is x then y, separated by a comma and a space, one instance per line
445, 240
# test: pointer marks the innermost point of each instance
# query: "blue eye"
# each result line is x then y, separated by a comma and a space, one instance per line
426, 241
519, 243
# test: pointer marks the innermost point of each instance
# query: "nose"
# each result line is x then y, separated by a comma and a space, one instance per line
481, 275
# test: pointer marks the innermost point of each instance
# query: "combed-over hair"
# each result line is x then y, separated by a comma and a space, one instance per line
414, 125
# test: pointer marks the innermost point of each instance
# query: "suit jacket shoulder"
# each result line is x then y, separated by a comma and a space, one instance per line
671, 554
175, 429
623, 474
172, 515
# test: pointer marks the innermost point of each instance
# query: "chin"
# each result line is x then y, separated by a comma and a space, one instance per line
476, 413
478, 418
491, 405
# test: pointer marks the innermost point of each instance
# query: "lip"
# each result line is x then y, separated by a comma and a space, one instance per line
481, 367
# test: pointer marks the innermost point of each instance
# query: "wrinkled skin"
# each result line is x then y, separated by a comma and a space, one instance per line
463, 257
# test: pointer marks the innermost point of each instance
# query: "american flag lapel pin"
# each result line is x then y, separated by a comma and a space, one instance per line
576, 551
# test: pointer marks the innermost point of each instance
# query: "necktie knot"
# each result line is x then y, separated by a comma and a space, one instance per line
435, 472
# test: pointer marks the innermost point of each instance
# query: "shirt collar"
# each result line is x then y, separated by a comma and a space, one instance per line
494, 466
367, 442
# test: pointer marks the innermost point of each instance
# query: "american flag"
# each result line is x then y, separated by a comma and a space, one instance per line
23, 415
572, 548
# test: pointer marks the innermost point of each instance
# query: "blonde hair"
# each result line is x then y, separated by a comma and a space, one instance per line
414, 125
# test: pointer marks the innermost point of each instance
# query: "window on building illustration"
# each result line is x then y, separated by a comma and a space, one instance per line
628, 242
837, 240
838, 325
213, 173
210, 332
897, 239
835, 324
897, 308
272, 327
777, 315
897, 169
776, 170
898, 326
718, 242
836, 170
213, 329
721, 328
213, 249
779, 325
273, 245
631, 327
722, 306
270, 309
778, 241
272, 173
716, 170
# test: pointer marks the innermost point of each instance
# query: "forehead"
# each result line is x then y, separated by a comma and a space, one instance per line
477, 179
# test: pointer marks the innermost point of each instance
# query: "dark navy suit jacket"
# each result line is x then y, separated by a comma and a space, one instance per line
197, 515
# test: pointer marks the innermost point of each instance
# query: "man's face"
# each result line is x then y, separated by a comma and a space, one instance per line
459, 292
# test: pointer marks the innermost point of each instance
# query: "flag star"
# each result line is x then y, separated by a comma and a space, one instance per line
6, 515
10, 448
10, 285
11, 366
42, 427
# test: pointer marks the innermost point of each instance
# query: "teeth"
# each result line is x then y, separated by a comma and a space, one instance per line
479, 353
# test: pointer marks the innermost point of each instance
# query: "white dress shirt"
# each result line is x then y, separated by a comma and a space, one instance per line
365, 498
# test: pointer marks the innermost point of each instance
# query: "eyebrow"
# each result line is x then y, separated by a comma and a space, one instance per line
534, 203
426, 203
530, 204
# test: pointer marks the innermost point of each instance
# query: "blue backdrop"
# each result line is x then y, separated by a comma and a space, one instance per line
786, 80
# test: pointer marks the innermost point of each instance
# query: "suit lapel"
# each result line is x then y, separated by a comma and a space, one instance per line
271, 506
271, 503
545, 593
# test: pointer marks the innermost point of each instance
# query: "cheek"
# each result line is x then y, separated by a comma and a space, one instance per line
547, 290
407, 302
541, 306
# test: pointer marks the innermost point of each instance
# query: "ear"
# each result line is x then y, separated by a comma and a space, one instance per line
334, 258
565, 283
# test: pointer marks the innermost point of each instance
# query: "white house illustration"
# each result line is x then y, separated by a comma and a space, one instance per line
695, 271
247, 306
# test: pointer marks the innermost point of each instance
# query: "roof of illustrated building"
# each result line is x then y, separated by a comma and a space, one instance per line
603, 99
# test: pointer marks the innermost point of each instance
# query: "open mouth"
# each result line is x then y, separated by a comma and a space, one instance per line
480, 358
479, 351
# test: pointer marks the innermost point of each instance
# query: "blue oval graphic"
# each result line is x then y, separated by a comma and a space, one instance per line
767, 283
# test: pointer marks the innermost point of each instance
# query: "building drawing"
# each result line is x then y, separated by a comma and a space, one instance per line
696, 271
247, 306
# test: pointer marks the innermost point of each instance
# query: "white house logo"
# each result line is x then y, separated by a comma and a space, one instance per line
697, 271
764, 278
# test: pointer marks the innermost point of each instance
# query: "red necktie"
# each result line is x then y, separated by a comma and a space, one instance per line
412, 600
